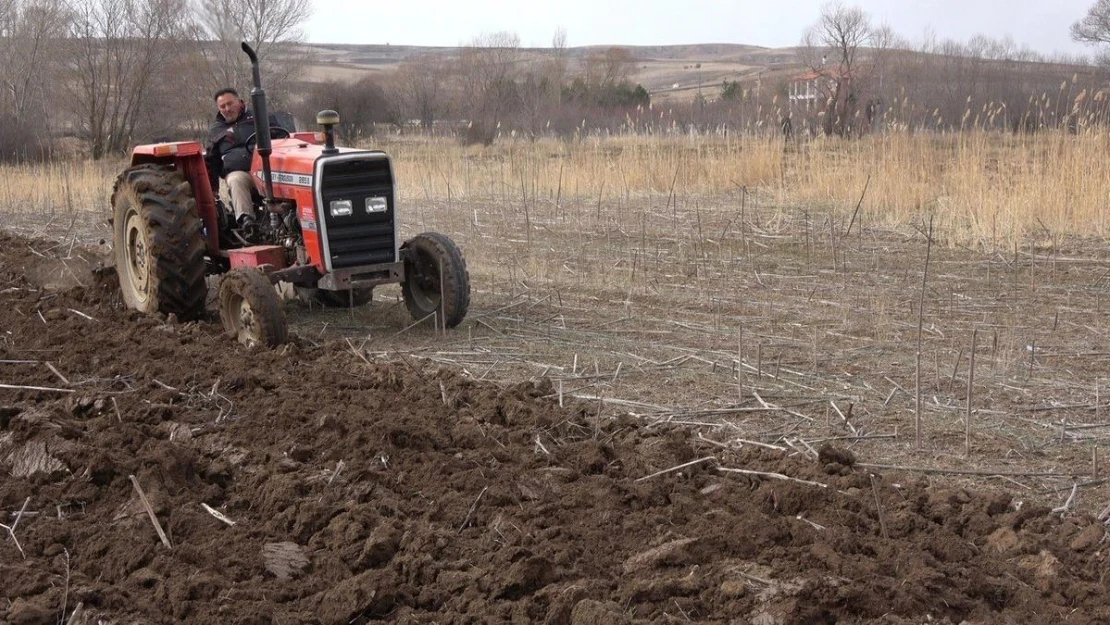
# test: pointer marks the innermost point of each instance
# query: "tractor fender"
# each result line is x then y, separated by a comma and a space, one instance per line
186, 157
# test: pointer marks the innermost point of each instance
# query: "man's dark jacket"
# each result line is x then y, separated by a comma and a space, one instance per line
227, 146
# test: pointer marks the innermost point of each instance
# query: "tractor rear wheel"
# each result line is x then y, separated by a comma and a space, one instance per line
436, 280
250, 308
343, 298
159, 242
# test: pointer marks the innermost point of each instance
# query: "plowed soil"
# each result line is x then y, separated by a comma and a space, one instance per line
356, 492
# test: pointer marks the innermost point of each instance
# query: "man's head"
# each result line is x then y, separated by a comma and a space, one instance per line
230, 104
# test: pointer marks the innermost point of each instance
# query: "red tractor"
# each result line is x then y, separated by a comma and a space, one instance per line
327, 224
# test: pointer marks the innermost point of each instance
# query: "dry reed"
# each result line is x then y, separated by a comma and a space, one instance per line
987, 189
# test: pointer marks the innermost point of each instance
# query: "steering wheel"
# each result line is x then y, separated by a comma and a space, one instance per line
276, 132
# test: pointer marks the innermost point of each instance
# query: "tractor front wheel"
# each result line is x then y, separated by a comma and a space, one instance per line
159, 242
436, 280
250, 308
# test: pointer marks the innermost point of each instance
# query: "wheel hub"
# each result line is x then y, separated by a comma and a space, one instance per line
249, 330
426, 283
136, 254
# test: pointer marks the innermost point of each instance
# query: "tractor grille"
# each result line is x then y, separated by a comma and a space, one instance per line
361, 238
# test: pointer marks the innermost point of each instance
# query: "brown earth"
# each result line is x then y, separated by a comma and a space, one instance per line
401, 492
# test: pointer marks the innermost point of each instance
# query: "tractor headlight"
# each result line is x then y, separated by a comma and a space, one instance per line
341, 208
376, 205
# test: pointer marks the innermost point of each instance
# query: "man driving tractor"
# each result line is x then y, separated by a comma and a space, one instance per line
331, 226
229, 155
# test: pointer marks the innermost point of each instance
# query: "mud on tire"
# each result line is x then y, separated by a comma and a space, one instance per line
159, 242
250, 309
432, 256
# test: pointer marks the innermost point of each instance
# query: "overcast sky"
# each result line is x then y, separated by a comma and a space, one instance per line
1040, 24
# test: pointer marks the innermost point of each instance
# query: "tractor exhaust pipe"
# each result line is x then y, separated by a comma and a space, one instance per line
261, 116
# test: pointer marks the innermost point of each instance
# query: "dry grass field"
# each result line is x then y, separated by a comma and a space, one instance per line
766, 294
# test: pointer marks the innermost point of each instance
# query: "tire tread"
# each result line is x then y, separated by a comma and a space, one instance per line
177, 237
456, 279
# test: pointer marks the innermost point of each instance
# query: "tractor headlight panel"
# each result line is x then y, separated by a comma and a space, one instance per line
376, 204
341, 208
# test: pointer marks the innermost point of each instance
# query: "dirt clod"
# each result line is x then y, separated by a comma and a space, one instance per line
829, 454
284, 560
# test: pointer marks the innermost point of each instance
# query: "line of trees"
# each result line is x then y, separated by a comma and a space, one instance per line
105, 74
98, 76
862, 76
107, 71
490, 87
867, 77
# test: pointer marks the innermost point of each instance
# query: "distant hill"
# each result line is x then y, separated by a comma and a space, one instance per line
676, 72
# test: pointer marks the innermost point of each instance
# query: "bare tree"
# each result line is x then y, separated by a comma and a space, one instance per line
487, 69
419, 88
27, 28
603, 82
609, 67
360, 104
833, 50
541, 85
121, 54
28, 74
1094, 28
269, 26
